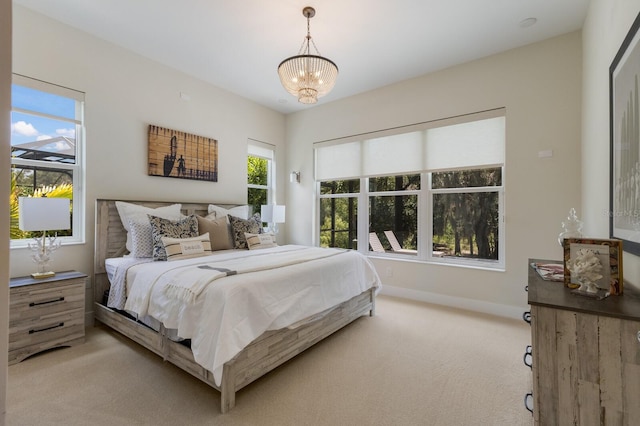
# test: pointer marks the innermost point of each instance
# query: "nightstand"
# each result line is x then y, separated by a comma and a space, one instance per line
45, 313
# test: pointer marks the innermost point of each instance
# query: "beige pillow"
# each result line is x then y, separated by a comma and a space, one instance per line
260, 241
219, 232
185, 248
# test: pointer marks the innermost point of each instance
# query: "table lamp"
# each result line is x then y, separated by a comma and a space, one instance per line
273, 215
42, 214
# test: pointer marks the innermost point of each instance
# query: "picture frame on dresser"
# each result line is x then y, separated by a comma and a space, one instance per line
624, 180
608, 251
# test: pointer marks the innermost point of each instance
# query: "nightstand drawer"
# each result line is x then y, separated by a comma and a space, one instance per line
45, 313
36, 301
52, 330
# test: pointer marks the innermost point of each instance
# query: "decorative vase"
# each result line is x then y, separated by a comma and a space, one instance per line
572, 227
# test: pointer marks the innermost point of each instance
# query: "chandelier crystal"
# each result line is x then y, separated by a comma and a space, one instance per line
306, 75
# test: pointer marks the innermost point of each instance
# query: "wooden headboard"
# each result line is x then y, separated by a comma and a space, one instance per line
111, 237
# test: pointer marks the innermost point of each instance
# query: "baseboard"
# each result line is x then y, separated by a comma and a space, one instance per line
507, 311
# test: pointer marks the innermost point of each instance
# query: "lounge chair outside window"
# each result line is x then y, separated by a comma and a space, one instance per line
375, 243
395, 245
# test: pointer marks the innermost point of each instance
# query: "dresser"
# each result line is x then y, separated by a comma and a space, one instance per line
585, 355
45, 313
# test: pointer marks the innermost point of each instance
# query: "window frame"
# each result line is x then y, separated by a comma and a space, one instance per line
77, 168
267, 152
478, 263
358, 196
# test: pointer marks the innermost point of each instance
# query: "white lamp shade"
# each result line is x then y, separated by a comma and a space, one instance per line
43, 214
272, 213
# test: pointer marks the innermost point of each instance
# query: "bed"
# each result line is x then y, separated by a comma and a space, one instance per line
226, 362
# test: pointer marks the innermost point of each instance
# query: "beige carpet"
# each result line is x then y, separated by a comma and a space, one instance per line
411, 364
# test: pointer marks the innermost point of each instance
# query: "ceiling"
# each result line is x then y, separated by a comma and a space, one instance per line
238, 45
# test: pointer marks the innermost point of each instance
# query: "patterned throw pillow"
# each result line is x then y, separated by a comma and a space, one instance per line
260, 241
239, 226
183, 228
141, 238
185, 248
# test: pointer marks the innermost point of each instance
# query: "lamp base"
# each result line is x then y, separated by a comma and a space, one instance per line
39, 275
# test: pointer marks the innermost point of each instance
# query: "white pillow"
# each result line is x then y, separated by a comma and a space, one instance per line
138, 213
240, 211
185, 248
260, 241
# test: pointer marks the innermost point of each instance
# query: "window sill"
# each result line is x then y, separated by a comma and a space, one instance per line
444, 261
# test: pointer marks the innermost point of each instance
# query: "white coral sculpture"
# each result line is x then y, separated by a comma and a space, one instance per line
586, 267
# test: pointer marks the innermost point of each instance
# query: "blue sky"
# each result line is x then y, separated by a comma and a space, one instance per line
29, 127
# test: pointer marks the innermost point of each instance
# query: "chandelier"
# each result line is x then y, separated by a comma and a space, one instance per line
308, 76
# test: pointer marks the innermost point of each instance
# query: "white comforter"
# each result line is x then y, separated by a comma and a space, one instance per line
230, 312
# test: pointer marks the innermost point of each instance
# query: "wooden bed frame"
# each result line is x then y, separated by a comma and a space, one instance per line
264, 354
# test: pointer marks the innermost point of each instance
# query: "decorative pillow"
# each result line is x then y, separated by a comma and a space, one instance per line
239, 226
219, 232
130, 211
141, 238
239, 211
185, 248
183, 228
260, 241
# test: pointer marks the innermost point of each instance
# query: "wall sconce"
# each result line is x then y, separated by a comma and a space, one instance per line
42, 214
294, 177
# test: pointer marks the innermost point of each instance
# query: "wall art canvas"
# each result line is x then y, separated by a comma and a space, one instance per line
624, 214
182, 155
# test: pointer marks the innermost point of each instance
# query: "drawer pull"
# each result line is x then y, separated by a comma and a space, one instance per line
528, 402
528, 357
60, 299
46, 328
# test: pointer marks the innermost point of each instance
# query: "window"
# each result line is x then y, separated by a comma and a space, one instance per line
466, 213
260, 174
432, 193
46, 151
393, 212
339, 213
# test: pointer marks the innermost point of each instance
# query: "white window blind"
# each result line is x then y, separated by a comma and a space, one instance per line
339, 161
478, 143
393, 154
462, 142
261, 149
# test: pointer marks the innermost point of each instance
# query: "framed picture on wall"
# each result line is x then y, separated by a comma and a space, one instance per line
182, 155
624, 191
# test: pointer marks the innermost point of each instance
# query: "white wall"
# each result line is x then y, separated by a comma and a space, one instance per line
606, 26
540, 87
124, 94
5, 184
